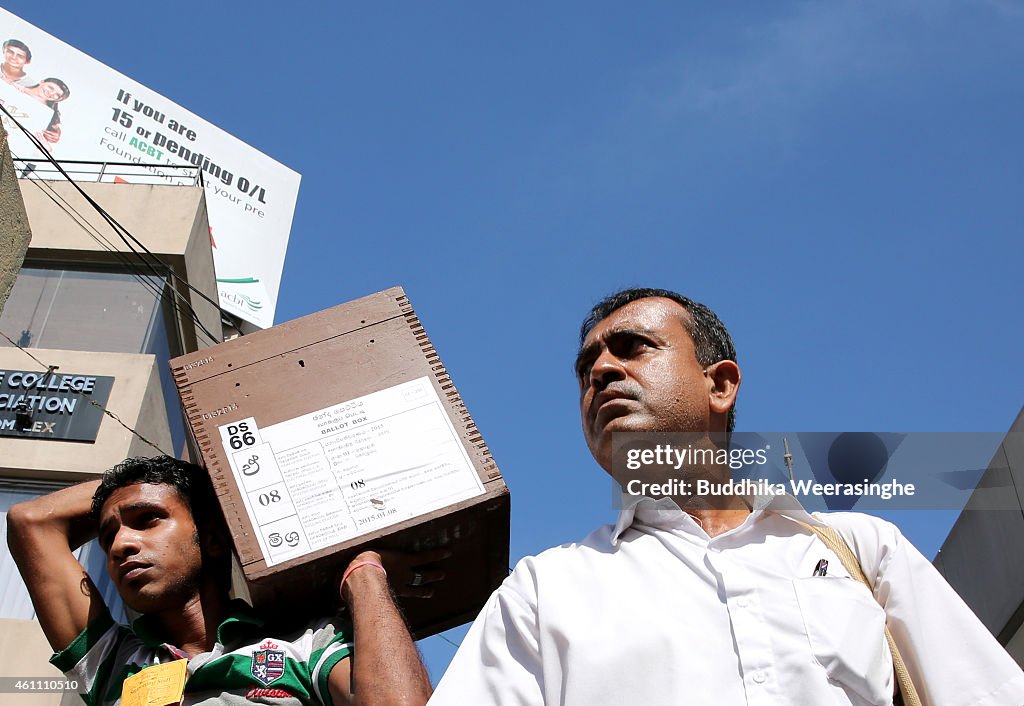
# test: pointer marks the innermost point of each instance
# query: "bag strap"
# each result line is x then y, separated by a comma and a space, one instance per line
834, 541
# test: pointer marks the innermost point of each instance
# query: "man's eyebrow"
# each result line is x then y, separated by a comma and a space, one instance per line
631, 331
589, 350
132, 507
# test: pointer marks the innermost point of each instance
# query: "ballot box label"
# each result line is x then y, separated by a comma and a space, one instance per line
331, 475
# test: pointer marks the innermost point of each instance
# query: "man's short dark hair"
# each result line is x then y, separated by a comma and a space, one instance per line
190, 481
711, 340
18, 44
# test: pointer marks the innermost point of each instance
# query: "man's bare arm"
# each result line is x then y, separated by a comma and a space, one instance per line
385, 667
42, 534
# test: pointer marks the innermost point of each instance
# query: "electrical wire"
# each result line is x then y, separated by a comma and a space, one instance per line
11, 341
169, 293
450, 642
123, 233
93, 233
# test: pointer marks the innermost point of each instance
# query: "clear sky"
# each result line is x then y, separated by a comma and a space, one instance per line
841, 182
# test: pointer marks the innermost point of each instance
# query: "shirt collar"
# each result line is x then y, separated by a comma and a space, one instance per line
664, 512
240, 620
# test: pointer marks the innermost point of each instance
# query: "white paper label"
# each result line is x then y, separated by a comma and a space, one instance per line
334, 474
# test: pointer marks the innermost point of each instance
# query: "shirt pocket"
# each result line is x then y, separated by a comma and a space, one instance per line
846, 631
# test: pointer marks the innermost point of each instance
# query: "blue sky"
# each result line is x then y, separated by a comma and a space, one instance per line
840, 181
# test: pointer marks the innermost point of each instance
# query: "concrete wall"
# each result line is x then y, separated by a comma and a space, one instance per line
26, 653
14, 229
198, 260
136, 399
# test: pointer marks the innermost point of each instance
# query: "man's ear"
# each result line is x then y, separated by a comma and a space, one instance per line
723, 384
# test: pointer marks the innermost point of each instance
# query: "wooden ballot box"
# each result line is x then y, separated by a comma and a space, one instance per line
338, 431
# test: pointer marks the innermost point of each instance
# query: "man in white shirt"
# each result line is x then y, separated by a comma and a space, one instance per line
723, 601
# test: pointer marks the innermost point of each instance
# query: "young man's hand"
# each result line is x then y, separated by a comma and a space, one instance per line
411, 575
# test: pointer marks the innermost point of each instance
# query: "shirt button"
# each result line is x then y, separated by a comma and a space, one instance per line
759, 677
742, 602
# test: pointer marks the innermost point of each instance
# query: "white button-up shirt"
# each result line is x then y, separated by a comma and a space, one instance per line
653, 611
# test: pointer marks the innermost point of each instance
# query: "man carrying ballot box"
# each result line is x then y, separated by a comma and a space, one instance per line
168, 554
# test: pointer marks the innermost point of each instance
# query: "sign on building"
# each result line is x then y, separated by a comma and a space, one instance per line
54, 406
81, 109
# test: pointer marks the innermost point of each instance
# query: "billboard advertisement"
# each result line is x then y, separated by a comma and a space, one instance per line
81, 109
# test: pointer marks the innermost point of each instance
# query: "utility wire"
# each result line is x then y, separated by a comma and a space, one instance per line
51, 368
118, 420
11, 341
123, 233
93, 233
450, 642
169, 293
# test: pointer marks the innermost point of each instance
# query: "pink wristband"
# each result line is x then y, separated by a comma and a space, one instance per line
359, 565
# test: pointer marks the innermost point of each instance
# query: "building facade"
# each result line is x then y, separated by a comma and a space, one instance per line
117, 279
981, 556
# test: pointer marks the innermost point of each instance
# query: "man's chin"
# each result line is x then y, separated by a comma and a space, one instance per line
148, 598
141, 601
602, 441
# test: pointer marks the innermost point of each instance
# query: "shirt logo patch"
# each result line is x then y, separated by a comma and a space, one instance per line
268, 663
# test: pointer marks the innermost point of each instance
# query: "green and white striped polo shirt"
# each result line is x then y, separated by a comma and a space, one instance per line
244, 667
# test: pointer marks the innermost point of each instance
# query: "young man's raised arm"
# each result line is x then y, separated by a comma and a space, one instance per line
42, 534
385, 667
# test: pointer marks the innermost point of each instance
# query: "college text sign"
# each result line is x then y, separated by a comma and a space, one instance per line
55, 406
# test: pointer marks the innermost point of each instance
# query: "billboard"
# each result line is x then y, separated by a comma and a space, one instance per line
81, 109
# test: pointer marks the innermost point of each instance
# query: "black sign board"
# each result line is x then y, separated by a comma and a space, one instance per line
53, 406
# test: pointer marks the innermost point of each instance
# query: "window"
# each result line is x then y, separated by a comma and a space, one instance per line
83, 310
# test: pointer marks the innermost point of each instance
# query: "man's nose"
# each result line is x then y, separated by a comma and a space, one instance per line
125, 544
605, 370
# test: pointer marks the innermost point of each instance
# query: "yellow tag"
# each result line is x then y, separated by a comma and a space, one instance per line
158, 685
